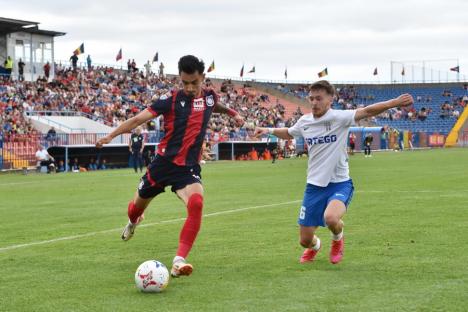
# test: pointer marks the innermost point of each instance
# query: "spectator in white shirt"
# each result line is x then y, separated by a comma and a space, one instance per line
44, 159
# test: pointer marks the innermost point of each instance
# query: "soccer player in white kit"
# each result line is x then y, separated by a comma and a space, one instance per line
329, 188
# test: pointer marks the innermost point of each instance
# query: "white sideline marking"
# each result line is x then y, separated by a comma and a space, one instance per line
143, 225
206, 215
55, 179
406, 191
131, 174
19, 183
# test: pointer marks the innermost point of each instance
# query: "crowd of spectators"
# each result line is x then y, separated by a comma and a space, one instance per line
452, 107
111, 96
103, 94
254, 106
349, 97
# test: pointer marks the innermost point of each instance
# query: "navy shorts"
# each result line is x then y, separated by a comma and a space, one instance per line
316, 200
162, 172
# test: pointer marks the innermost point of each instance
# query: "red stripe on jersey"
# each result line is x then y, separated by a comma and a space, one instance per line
194, 125
149, 178
168, 126
153, 183
155, 114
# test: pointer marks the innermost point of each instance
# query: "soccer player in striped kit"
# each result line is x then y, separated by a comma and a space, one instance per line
186, 114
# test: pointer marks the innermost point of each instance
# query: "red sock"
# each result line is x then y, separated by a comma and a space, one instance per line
191, 226
134, 212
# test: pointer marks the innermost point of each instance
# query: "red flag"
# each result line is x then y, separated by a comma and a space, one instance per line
456, 69
119, 55
242, 71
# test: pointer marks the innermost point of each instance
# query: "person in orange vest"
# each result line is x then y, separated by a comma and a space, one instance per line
266, 154
253, 154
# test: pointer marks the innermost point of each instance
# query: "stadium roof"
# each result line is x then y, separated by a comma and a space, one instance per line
8, 25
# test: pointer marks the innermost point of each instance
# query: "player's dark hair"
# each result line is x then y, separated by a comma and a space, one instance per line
323, 85
190, 64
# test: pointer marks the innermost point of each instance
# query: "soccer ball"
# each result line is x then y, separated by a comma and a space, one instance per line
151, 276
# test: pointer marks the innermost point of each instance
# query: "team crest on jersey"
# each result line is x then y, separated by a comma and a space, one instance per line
328, 126
182, 103
209, 100
198, 105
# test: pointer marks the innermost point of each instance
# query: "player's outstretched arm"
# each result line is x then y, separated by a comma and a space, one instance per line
377, 108
281, 133
126, 126
220, 108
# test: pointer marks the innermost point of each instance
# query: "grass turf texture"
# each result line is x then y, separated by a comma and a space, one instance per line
405, 240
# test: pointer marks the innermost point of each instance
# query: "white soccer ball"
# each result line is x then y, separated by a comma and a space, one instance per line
151, 276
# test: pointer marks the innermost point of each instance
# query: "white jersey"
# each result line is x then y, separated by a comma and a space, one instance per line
326, 138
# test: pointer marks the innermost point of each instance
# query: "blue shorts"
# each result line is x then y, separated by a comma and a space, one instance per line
162, 172
316, 200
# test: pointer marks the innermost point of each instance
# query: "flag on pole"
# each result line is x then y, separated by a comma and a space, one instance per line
79, 50
455, 69
252, 70
119, 55
403, 71
323, 73
286, 73
242, 71
156, 57
375, 72
212, 67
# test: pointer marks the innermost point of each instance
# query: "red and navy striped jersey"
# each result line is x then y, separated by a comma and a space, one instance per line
185, 122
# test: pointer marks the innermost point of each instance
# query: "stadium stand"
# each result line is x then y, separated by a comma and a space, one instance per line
106, 96
437, 106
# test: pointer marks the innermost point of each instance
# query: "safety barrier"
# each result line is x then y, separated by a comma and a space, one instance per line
19, 151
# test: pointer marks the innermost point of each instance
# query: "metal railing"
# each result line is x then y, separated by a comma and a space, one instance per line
96, 118
44, 114
18, 151
335, 82
54, 123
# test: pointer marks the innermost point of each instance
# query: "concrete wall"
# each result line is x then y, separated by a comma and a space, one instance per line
33, 59
68, 124
3, 49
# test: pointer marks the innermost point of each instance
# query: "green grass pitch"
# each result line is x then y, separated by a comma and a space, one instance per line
60, 247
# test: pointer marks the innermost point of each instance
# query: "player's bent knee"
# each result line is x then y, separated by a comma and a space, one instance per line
332, 220
195, 204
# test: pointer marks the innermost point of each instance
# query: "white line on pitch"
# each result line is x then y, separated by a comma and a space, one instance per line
57, 179
143, 225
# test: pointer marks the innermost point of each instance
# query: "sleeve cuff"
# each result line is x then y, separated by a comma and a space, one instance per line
353, 120
152, 111
231, 112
